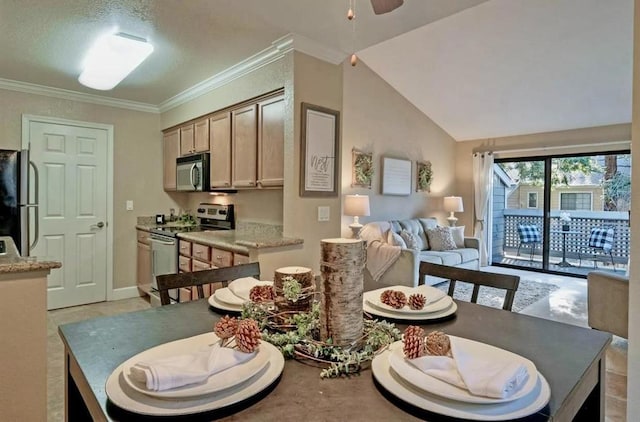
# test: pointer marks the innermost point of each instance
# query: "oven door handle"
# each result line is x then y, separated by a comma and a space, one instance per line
163, 242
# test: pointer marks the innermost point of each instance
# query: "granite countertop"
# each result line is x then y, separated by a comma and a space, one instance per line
239, 241
12, 262
16, 264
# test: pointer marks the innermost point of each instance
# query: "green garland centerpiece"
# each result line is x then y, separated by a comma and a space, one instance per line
295, 334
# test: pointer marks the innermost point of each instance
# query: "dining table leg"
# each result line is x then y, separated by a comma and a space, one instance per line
75, 406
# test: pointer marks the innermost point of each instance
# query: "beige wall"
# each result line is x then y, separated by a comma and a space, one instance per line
257, 205
379, 120
137, 163
633, 377
596, 139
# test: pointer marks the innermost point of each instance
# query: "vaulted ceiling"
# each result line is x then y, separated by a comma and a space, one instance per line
477, 68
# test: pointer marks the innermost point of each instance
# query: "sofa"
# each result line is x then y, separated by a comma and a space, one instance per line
403, 268
608, 302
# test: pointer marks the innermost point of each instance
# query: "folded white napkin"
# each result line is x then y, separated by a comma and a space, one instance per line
177, 371
242, 286
482, 375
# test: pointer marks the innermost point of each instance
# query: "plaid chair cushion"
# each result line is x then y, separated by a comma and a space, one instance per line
529, 233
601, 238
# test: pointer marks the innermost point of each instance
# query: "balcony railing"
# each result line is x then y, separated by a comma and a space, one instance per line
580, 225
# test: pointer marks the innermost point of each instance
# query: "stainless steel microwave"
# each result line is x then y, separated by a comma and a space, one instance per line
192, 173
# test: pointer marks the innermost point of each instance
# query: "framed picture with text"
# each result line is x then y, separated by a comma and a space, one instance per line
319, 151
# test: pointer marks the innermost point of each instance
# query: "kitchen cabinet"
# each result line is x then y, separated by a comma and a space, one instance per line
143, 276
220, 142
194, 137
271, 142
244, 144
197, 257
171, 151
186, 139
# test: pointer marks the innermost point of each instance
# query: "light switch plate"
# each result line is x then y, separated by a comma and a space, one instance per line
323, 213
129, 205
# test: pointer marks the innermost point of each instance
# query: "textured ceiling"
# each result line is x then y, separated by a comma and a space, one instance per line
44, 42
511, 67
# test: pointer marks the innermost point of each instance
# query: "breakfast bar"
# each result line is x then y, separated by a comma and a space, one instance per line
570, 358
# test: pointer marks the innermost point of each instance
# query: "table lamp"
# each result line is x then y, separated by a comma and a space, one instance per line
453, 204
356, 206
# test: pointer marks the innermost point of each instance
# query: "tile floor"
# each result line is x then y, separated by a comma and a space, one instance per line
567, 304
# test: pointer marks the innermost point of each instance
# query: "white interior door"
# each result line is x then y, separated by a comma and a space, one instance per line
71, 164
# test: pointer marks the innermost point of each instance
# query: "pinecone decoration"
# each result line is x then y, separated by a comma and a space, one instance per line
438, 344
384, 296
413, 346
417, 301
248, 335
226, 327
414, 330
259, 294
396, 299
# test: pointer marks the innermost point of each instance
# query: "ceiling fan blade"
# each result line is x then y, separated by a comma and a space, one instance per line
385, 6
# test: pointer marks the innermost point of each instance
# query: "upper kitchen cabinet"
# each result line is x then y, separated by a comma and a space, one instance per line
171, 151
220, 140
244, 144
271, 142
194, 137
186, 139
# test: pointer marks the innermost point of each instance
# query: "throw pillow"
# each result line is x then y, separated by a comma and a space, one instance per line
457, 233
440, 239
410, 239
394, 239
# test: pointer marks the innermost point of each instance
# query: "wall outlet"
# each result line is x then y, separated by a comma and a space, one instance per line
323, 213
129, 205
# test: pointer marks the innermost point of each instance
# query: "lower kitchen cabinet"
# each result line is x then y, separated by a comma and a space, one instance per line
143, 274
197, 257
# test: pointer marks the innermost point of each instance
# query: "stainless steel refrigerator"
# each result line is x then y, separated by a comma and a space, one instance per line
14, 199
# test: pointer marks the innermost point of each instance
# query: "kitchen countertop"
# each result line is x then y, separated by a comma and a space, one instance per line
12, 262
238, 241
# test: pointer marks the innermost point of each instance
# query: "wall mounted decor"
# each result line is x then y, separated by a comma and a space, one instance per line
361, 169
396, 176
424, 175
319, 151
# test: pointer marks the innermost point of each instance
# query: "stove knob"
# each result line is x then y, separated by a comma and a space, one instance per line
200, 210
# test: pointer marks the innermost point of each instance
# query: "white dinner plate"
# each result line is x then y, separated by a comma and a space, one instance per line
125, 397
217, 382
441, 388
394, 384
373, 297
213, 301
410, 317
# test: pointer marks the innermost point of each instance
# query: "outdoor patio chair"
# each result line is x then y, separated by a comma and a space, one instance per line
529, 235
600, 242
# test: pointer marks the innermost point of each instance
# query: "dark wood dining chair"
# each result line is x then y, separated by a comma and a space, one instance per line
477, 278
196, 279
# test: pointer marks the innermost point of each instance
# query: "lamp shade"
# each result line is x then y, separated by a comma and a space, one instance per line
453, 204
356, 205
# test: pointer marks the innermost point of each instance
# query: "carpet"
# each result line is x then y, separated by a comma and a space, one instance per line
528, 292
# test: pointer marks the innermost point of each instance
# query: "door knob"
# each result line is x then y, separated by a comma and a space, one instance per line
98, 226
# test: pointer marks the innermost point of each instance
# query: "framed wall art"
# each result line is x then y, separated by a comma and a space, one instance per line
396, 176
424, 176
319, 152
361, 169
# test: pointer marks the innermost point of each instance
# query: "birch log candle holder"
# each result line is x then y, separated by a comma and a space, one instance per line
304, 277
342, 269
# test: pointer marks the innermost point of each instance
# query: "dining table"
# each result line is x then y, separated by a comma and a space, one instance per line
571, 359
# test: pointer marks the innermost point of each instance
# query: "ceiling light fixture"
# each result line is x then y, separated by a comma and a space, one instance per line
111, 59
351, 16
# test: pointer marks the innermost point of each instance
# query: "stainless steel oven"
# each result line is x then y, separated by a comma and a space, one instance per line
164, 260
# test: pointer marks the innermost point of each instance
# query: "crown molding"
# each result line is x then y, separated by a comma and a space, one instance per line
276, 51
66, 94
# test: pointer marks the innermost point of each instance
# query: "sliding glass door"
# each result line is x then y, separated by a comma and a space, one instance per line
562, 214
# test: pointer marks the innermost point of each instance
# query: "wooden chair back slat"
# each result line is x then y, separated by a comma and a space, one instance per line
167, 282
507, 282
